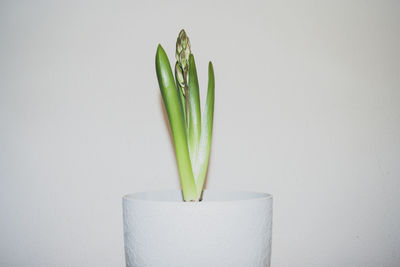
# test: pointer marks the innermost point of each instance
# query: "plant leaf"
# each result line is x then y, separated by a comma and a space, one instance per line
194, 113
176, 120
200, 169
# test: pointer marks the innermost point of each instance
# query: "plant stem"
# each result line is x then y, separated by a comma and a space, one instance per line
180, 90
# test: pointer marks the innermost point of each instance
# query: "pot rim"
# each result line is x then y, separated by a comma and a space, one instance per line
209, 196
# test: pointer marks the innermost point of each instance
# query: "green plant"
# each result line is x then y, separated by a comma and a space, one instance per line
191, 132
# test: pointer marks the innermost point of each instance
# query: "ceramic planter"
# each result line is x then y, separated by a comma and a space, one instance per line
225, 229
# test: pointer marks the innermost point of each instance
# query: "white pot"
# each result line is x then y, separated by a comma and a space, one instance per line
225, 229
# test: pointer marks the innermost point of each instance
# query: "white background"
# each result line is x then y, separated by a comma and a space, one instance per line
307, 108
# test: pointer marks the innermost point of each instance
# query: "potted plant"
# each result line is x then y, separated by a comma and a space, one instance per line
194, 227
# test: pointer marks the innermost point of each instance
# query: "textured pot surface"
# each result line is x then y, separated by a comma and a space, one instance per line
225, 229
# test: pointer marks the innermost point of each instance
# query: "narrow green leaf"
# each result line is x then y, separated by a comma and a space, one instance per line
176, 120
200, 170
194, 115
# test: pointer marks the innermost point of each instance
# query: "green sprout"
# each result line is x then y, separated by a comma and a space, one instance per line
191, 131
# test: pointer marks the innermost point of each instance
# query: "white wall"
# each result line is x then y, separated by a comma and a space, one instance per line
307, 108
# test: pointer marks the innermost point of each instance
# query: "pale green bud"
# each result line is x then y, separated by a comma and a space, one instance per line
180, 78
183, 50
